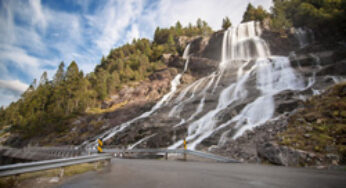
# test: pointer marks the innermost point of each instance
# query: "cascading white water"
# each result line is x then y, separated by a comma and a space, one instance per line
180, 104
302, 37
202, 101
141, 141
273, 77
186, 51
243, 51
240, 46
203, 127
186, 56
179, 100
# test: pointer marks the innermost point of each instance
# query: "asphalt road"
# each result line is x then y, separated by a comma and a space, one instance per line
160, 173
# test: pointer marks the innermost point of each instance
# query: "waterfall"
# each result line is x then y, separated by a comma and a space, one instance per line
202, 101
243, 49
245, 60
302, 37
186, 51
273, 77
140, 141
180, 104
179, 100
186, 56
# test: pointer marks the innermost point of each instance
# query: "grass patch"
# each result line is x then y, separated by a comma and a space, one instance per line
13, 181
111, 109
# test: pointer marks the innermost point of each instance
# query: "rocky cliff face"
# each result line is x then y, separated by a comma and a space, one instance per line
233, 94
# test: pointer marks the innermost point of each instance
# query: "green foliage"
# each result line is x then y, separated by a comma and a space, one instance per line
59, 76
226, 23
45, 108
166, 36
323, 16
254, 14
280, 22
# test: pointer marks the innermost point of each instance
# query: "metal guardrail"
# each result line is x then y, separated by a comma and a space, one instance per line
212, 156
8, 170
179, 151
14, 169
41, 153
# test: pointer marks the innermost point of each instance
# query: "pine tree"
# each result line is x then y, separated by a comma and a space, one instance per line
254, 14
199, 23
226, 23
249, 13
60, 73
44, 79
178, 28
72, 71
171, 44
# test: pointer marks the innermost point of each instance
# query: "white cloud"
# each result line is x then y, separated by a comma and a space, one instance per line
13, 85
84, 4
22, 62
38, 17
10, 90
113, 19
133, 33
6, 23
15, 54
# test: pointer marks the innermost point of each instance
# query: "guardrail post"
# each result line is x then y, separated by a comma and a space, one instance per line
185, 147
166, 155
99, 146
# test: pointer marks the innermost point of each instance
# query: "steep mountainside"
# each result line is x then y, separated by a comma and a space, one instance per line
219, 104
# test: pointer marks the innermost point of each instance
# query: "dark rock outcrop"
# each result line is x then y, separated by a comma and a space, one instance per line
202, 66
280, 45
283, 155
177, 62
208, 47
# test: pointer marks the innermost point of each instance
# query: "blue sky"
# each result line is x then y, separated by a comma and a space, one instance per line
36, 35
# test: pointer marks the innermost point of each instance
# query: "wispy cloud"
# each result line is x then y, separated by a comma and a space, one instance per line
38, 17
119, 15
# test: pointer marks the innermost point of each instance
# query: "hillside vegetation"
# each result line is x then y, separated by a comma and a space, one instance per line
48, 106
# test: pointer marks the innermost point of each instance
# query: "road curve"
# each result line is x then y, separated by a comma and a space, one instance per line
159, 173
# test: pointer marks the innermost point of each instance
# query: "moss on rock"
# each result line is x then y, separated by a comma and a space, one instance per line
320, 126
